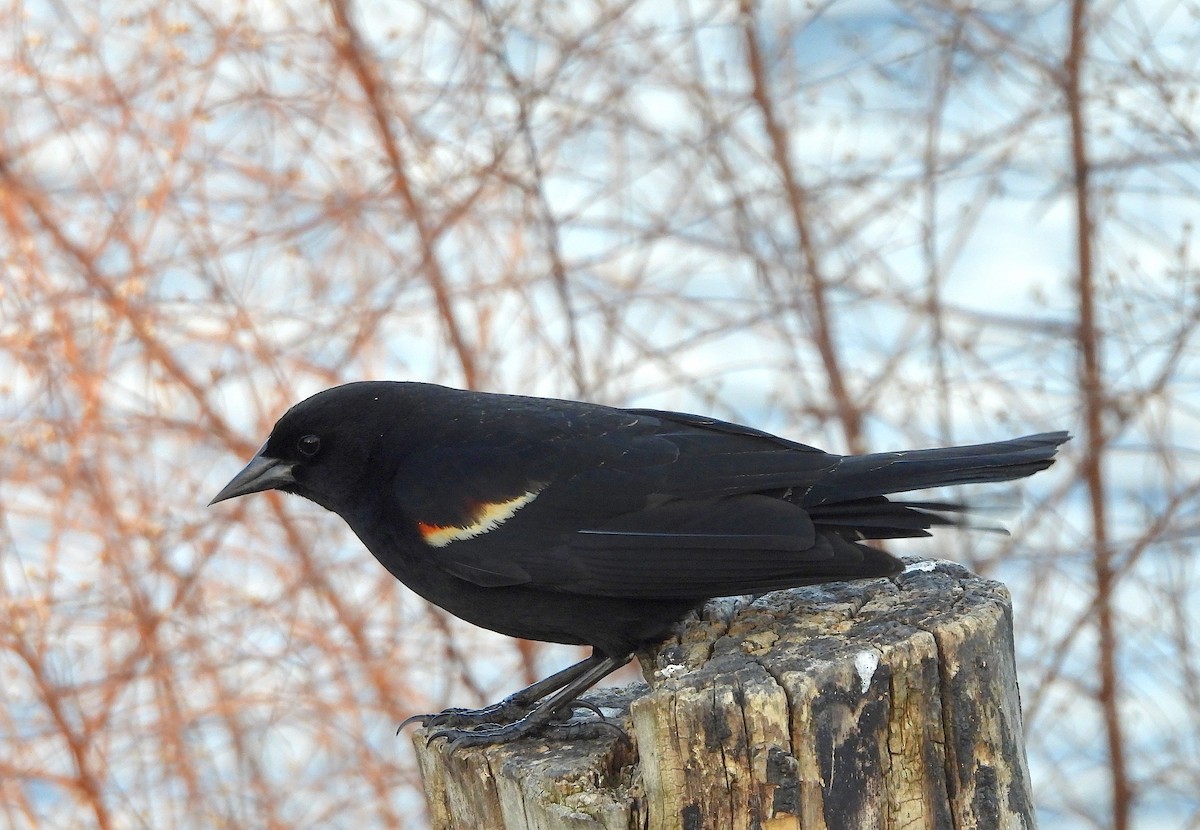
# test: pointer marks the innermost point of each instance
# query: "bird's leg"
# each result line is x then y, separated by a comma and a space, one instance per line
543, 715
512, 708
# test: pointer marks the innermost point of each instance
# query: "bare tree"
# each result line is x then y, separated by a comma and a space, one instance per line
864, 227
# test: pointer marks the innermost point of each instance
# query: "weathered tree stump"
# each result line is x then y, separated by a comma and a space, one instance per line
880, 704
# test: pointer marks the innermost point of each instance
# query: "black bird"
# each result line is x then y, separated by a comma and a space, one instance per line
577, 523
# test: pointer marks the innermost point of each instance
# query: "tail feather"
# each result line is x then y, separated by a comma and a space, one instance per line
852, 501
881, 518
879, 474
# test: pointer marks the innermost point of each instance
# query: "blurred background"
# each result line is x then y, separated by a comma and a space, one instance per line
866, 225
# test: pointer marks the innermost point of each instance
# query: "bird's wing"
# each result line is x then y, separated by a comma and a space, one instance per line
475, 505
682, 548
673, 509
710, 547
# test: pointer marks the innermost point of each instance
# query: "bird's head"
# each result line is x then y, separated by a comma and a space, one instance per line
326, 448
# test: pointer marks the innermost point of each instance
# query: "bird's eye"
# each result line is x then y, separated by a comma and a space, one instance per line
309, 445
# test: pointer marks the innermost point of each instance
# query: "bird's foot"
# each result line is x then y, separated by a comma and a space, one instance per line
539, 708
509, 710
506, 711
490, 733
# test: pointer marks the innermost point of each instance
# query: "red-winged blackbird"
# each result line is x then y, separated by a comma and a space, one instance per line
577, 523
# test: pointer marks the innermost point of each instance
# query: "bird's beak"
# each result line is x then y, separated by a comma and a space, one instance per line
262, 473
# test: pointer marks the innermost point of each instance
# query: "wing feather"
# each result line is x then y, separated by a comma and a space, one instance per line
628, 503
680, 549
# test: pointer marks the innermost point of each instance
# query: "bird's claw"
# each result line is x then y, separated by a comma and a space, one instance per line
487, 734
506, 711
422, 719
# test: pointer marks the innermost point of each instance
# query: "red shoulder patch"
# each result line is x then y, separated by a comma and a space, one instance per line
484, 516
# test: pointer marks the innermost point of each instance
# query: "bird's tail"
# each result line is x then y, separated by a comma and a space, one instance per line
852, 498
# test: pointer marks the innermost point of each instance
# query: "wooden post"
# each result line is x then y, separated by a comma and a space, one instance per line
880, 704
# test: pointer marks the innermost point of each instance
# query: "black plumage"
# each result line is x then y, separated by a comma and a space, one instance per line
577, 523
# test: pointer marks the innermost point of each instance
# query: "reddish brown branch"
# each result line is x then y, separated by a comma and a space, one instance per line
823, 332
356, 54
1094, 405
139, 321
